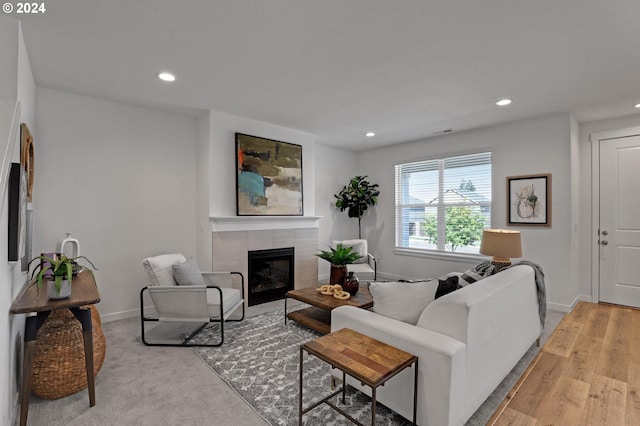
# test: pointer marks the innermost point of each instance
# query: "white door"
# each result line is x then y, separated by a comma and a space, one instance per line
619, 239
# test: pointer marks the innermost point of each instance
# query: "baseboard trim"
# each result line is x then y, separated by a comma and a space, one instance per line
120, 315
568, 308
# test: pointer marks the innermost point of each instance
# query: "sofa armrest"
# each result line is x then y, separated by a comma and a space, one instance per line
441, 373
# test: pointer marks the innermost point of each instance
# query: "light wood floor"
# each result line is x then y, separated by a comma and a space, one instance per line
588, 373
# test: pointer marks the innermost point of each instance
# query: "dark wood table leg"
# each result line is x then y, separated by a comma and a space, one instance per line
285, 309
84, 316
415, 393
32, 324
373, 406
300, 394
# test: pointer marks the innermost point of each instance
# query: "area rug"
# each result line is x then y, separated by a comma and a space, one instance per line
260, 359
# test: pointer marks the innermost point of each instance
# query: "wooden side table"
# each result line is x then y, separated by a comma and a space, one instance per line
368, 360
83, 292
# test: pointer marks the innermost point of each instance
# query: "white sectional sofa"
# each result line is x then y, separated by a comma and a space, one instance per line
467, 342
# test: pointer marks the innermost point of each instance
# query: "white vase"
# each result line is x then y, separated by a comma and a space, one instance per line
65, 289
70, 247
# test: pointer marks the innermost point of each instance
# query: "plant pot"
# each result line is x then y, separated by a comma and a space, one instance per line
351, 284
65, 290
338, 272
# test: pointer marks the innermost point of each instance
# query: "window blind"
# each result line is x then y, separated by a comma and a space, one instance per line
441, 203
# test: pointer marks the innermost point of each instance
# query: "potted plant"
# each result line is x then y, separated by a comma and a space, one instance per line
338, 257
57, 270
356, 197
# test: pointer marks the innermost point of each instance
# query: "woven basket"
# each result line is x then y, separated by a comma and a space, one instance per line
58, 363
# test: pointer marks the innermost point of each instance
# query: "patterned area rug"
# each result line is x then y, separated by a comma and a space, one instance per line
260, 361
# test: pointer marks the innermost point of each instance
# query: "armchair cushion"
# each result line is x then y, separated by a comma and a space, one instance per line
159, 268
402, 301
230, 297
188, 273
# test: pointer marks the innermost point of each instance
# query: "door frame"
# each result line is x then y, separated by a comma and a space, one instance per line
596, 138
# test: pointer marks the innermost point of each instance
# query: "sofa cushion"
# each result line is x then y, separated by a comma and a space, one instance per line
188, 273
447, 285
403, 301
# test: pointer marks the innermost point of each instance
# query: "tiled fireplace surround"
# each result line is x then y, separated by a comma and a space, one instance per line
234, 237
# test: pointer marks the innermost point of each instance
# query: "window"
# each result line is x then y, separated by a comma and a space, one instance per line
443, 204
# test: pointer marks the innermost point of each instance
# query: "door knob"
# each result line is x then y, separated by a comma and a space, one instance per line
605, 233
604, 242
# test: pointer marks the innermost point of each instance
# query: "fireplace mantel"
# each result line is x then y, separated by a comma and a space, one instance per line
261, 223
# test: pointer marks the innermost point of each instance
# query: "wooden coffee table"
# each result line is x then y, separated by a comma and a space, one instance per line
368, 360
318, 316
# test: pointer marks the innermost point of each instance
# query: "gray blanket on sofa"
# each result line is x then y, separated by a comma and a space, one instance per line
487, 268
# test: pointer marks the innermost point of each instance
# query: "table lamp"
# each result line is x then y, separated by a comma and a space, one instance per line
502, 245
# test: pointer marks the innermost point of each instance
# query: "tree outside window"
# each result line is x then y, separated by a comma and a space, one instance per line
443, 204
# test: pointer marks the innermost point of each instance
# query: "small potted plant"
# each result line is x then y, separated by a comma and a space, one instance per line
338, 257
58, 270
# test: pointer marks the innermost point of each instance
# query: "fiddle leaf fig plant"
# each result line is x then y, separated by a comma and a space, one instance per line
57, 268
356, 197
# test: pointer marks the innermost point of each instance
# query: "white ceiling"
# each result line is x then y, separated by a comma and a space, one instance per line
405, 69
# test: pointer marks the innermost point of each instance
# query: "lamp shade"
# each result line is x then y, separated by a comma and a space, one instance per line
501, 243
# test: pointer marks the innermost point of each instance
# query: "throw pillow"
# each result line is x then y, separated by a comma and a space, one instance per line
447, 286
483, 270
402, 301
187, 273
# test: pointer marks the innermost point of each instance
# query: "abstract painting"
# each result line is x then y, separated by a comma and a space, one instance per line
529, 200
268, 177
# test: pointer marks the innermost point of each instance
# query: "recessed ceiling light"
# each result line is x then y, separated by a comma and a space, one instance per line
503, 102
166, 76
369, 134
637, 105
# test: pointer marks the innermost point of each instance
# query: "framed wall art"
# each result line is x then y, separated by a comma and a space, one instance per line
17, 212
27, 158
268, 177
529, 200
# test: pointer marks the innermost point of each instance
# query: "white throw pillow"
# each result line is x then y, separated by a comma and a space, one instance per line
401, 300
159, 268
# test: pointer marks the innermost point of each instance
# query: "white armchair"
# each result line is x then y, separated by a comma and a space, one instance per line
365, 267
182, 294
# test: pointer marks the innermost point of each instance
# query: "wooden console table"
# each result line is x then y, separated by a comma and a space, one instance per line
83, 292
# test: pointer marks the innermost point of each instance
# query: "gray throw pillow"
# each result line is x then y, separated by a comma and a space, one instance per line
187, 273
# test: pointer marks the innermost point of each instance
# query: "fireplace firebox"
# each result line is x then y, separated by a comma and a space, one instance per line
271, 274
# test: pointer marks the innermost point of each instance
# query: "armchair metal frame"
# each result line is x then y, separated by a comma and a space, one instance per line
186, 342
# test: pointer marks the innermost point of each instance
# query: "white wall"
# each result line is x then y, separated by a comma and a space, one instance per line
223, 127
203, 185
334, 168
131, 177
540, 145
574, 152
9, 50
16, 82
586, 237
